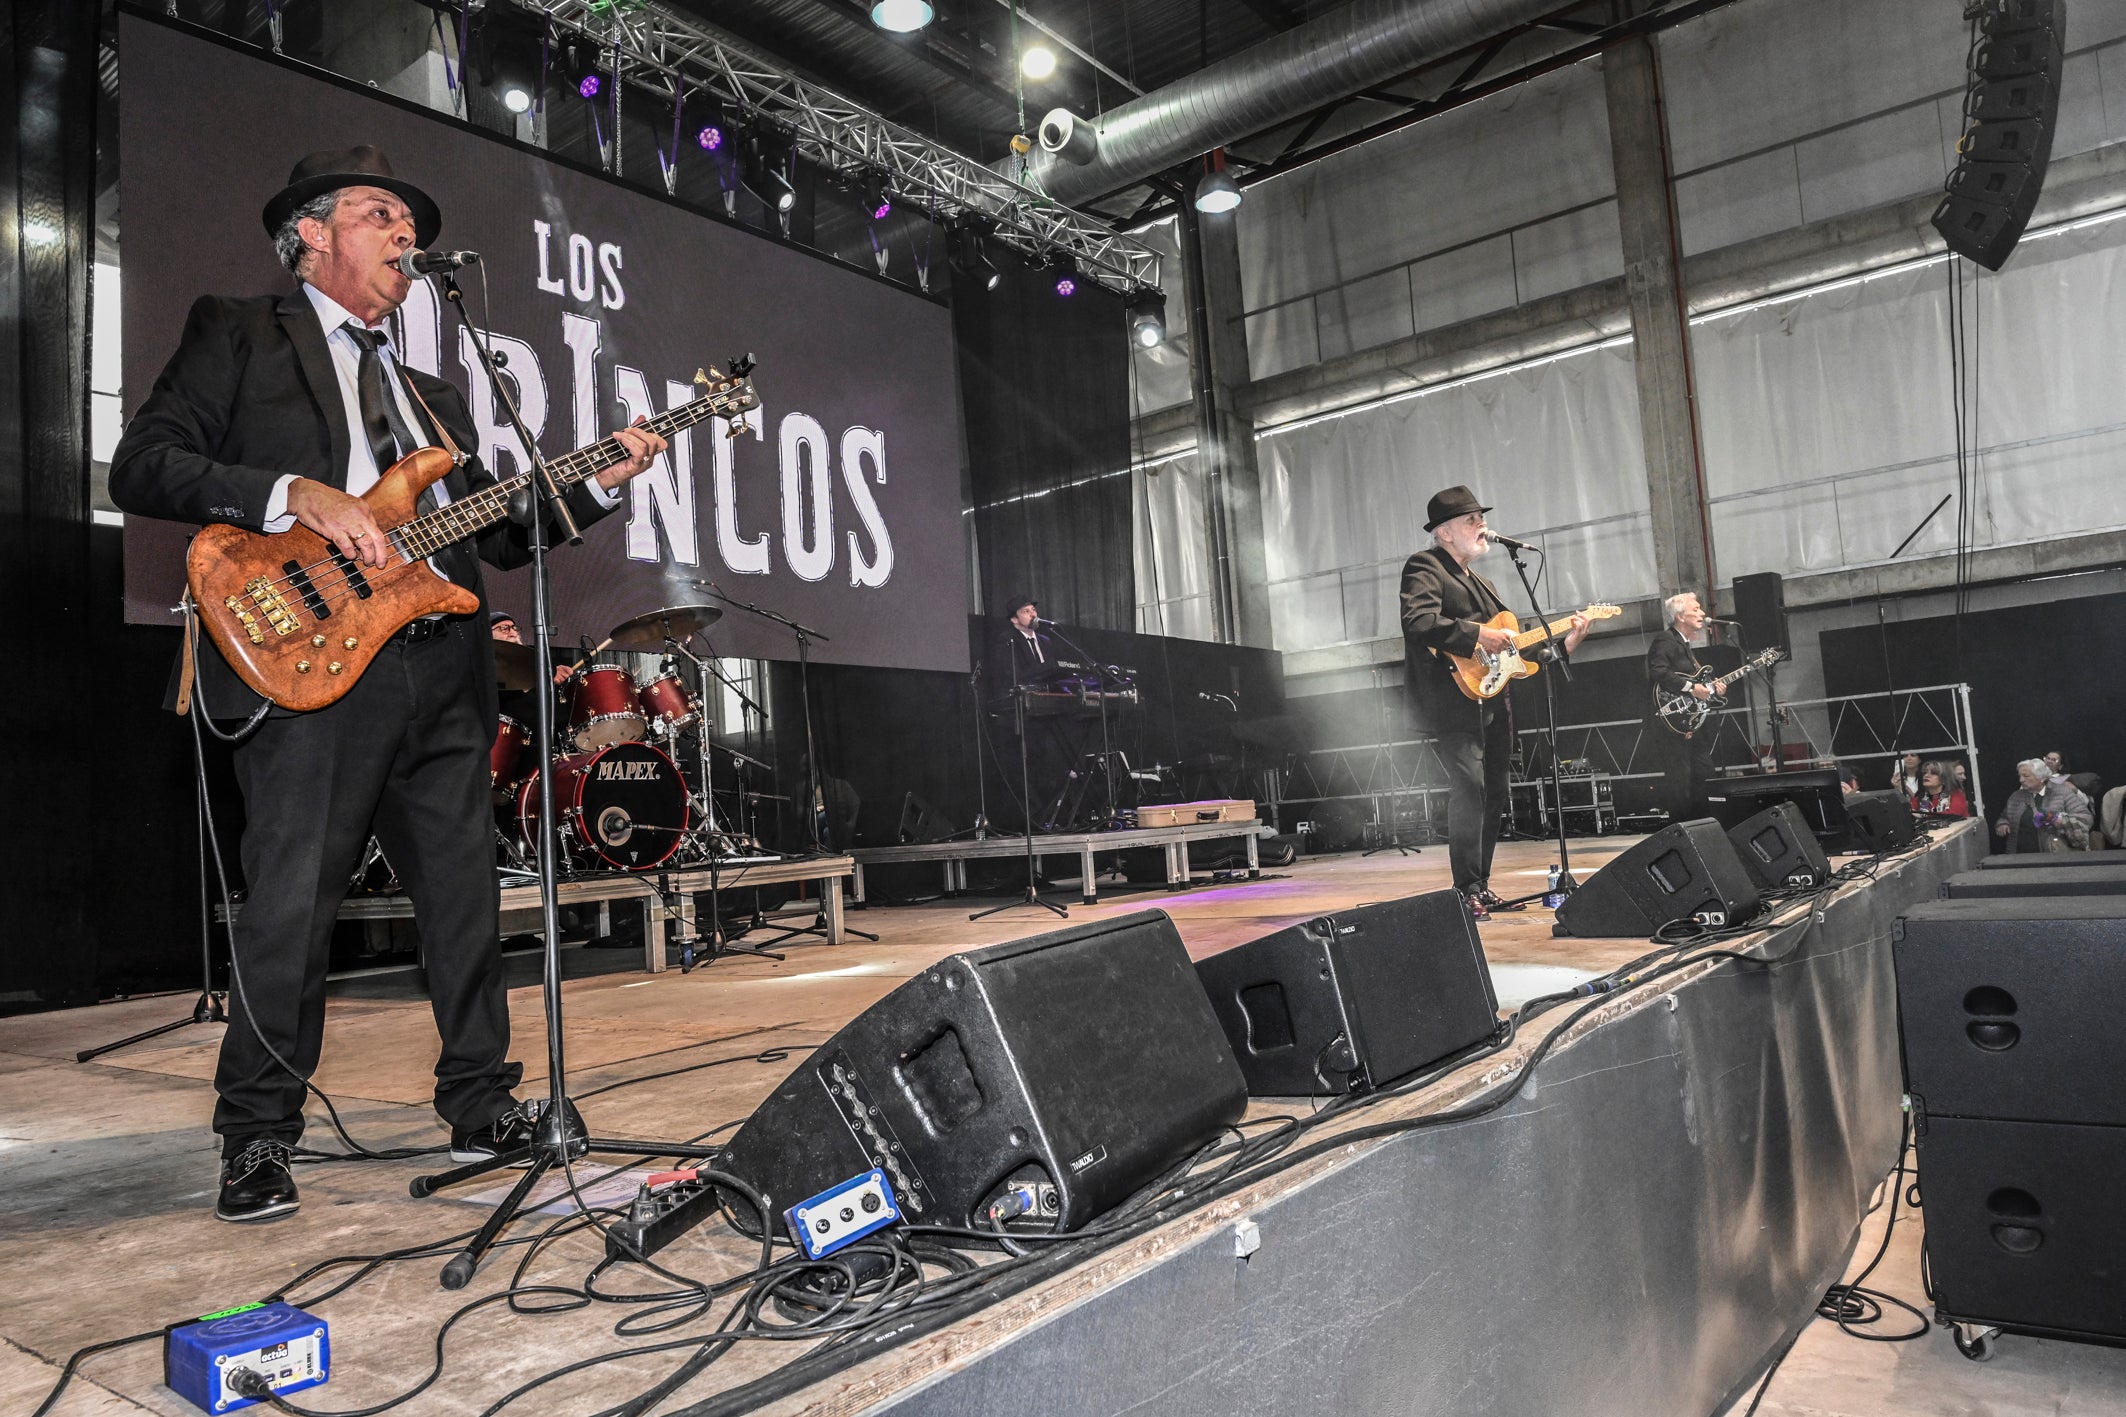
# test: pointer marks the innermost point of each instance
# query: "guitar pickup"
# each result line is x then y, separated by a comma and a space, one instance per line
300, 579
352, 570
272, 605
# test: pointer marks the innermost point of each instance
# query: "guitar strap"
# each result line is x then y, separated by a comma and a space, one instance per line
188, 666
450, 444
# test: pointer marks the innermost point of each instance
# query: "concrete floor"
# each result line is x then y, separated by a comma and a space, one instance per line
107, 1171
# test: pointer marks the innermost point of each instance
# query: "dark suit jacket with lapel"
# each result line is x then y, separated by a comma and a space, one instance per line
1442, 608
251, 395
1670, 662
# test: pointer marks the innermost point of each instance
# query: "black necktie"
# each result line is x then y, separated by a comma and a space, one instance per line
384, 426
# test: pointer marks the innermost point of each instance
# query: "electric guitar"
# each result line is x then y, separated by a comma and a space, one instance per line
1685, 713
299, 619
1481, 675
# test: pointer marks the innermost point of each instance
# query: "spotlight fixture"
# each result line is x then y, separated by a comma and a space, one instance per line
1147, 317
579, 62
1038, 62
877, 200
710, 137
1216, 191
1066, 268
967, 249
901, 16
509, 62
764, 168
712, 133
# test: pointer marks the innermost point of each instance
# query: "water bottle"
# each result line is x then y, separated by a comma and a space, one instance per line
1552, 896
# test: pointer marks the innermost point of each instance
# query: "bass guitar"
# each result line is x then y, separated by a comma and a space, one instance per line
299, 619
1685, 712
1483, 674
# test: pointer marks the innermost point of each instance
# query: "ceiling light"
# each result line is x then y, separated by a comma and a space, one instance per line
901, 16
1216, 191
1038, 62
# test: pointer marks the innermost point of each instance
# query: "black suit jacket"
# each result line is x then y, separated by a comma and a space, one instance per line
251, 395
1443, 606
1670, 662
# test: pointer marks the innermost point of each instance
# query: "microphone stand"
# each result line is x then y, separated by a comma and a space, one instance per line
1107, 759
1018, 710
1566, 884
719, 943
554, 1143
814, 799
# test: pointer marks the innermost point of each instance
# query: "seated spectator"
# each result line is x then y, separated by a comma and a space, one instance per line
2045, 813
1848, 779
1904, 774
1938, 793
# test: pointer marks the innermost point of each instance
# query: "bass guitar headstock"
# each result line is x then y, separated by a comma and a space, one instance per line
731, 394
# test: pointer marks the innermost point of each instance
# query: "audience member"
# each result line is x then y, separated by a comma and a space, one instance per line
1904, 774
1938, 793
1848, 779
2045, 813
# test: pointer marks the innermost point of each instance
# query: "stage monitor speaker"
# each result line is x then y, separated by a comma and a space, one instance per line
923, 823
1760, 606
1685, 871
1352, 1001
2008, 1008
1087, 1058
2064, 881
2046, 860
1779, 848
2011, 107
2023, 1228
1880, 821
1815, 793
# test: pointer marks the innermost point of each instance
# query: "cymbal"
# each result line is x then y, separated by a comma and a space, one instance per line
516, 666
649, 631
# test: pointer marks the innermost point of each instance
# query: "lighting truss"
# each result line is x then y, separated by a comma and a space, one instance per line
659, 52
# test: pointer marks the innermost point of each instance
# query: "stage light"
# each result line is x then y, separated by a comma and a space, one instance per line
510, 57
1216, 191
710, 137
901, 16
1038, 62
764, 168
1067, 277
516, 98
579, 64
967, 249
1147, 317
877, 200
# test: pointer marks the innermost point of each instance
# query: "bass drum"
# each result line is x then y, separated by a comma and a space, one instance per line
625, 807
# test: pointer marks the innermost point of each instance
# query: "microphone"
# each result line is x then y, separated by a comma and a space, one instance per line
1513, 543
417, 262
1042, 620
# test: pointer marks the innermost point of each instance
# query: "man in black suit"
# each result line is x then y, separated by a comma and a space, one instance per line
1686, 758
278, 410
1444, 609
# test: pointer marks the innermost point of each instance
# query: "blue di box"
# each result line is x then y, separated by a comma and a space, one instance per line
289, 1348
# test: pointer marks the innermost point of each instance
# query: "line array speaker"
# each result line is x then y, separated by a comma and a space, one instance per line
1087, 1057
1352, 1001
1685, 871
1779, 848
2011, 107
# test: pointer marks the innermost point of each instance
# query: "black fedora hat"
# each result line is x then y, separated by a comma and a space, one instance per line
362, 166
1018, 603
1454, 502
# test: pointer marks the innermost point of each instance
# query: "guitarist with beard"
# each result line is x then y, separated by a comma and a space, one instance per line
277, 410
1687, 759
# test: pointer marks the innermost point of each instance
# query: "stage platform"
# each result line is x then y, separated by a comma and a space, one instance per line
1650, 1218
664, 898
1081, 846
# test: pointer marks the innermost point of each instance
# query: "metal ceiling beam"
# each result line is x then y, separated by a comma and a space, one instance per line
659, 51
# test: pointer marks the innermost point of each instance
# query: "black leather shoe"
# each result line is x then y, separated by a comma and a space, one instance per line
255, 1184
512, 1131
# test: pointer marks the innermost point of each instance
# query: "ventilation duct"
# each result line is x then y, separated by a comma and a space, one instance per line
1364, 43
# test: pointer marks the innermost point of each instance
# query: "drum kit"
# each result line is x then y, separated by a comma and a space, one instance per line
632, 772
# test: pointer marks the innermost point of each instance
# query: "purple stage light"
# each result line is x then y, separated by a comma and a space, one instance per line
878, 213
589, 87
710, 138
1066, 287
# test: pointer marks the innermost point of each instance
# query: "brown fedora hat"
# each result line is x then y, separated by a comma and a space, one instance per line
362, 166
1446, 506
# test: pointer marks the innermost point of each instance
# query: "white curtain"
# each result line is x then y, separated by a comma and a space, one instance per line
1173, 558
1827, 418
1554, 447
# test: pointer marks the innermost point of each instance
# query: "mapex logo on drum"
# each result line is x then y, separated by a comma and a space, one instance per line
629, 771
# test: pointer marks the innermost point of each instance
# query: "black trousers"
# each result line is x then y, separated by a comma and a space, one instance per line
1478, 765
405, 750
1685, 765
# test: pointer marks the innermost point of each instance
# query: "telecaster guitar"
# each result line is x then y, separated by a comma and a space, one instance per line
1483, 674
299, 619
1685, 713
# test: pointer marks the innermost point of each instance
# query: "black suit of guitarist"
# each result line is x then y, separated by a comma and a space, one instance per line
1686, 760
257, 413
